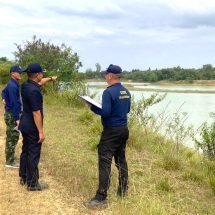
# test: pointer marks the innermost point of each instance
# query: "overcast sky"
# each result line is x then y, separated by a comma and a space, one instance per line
135, 34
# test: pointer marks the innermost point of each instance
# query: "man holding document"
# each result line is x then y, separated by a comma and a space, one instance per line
116, 101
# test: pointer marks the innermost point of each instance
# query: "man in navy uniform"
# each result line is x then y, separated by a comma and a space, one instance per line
31, 126
12, 102
116, 101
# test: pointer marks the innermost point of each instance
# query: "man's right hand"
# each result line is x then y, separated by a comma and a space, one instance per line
17, 122
41, 137
54, 78
3, 101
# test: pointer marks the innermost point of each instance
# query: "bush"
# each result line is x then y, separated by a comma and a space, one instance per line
5, 72
139, 113
72, 92
207, 142
68, 93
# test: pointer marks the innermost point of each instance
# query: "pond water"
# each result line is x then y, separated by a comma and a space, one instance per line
198, 106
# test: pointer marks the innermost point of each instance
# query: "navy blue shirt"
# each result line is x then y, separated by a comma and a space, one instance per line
11, 96
32, 100
116, 102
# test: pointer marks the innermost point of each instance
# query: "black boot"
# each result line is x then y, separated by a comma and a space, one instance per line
96, 203
22, 181
122, 192
38, 187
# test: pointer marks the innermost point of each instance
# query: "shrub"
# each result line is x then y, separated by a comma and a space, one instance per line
207, 142
68, 93
5, 72
139, 113
177, 130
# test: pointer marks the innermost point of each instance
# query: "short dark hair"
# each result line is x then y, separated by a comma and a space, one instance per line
117, 75
32, 75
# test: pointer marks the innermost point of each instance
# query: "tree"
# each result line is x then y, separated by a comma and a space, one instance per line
54, 58
3, 60
207, 67
98, 67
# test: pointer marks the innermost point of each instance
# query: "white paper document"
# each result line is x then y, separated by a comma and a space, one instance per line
91, 101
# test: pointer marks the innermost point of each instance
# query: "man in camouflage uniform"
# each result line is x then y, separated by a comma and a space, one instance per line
12, 101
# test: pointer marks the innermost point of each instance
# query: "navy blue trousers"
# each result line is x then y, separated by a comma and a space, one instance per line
29, 158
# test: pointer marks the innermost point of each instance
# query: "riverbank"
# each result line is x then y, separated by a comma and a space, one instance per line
159, 90
187, 83
162, 181
196, 87
167, 83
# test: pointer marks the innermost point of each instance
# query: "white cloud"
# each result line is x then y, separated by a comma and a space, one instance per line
104, 31
191, 6
135, 30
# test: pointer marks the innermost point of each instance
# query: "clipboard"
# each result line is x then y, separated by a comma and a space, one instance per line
91, 101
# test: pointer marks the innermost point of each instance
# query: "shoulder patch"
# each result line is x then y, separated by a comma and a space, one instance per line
124, 97
123, 92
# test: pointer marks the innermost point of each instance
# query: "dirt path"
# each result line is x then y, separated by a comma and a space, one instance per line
15, 199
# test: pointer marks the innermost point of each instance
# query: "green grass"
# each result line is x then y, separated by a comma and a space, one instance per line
160, 182
164, 185
171, 162
212, 183
193, 176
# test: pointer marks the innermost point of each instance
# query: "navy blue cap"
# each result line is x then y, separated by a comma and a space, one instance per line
113, 69
34, 68
16, 68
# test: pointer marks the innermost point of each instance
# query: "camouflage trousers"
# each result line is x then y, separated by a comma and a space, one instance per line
12, 137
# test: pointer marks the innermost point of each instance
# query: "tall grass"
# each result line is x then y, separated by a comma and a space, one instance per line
161, 180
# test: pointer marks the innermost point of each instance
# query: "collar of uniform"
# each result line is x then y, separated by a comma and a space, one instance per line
114, 84
35, 83
14, 81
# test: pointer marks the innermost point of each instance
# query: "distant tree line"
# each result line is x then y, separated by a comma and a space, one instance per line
60, 60
207, 72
